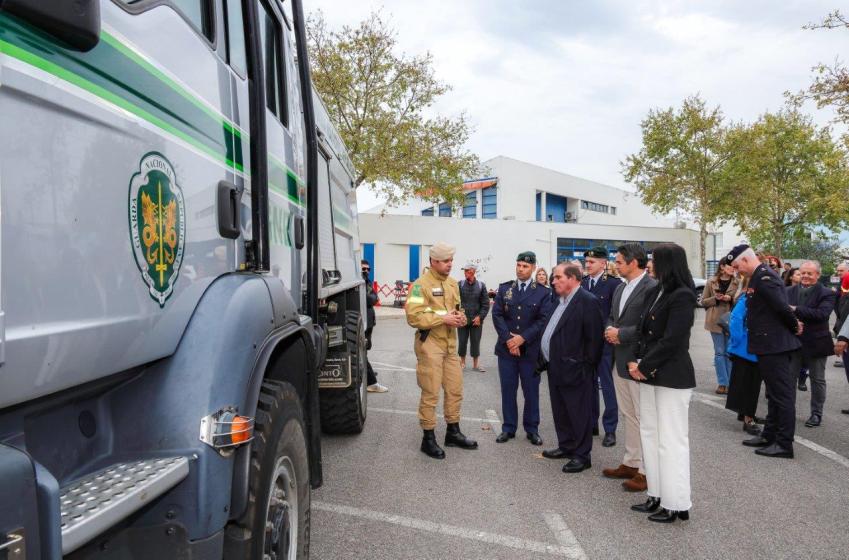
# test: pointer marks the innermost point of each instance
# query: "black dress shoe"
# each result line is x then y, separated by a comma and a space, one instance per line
455, 438
430, 447
844, 410
752, 429
555, 453
814, 421
650, 505
576, 466
775, 450
668, 516
535, 439
609, 440
757, 441
802, 386
595, 430
504, 436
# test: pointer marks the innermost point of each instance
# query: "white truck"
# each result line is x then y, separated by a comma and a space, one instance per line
181, 309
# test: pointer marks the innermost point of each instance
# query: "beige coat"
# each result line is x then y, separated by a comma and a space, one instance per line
713, 307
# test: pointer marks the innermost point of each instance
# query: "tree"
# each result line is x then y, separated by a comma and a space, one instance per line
790, 179
818, 246
378, 101
683, 163
830, 86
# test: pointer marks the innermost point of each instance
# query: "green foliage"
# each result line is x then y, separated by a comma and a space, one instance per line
682, 165
789, 178
817, 246
378, 101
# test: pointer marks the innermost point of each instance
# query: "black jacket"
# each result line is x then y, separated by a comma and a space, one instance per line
769, 320
371, 299
577, 343
663, 342
816, 339
841, 310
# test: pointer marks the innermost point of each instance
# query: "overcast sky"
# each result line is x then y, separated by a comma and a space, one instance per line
565, 84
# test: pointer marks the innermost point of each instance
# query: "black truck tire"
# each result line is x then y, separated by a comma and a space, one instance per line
343, 411
277, 520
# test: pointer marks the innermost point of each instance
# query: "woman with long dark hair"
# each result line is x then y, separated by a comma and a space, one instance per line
667, 378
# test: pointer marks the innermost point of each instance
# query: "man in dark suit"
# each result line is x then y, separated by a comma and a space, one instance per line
627, 305
773, 330
812, 303
518, 315
602, 285
571, 347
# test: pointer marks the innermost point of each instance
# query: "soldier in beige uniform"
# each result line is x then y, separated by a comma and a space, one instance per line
433, 309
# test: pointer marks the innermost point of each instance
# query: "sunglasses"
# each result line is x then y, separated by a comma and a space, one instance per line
366, 269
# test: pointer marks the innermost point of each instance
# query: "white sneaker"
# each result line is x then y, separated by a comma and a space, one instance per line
377, 388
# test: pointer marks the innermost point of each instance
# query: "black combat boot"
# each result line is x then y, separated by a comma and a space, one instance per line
430, 447
455, 438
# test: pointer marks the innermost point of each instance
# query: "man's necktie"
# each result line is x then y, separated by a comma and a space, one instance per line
592, 284
521, 288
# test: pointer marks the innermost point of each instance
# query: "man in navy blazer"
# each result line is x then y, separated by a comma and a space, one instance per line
603, 286
518, 315
812, 303
571, 348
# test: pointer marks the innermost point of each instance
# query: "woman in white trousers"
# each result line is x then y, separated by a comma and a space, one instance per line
667, 378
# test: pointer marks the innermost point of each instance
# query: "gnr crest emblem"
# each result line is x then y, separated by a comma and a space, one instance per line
157, 225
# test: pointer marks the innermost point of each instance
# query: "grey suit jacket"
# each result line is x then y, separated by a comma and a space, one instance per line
628, 322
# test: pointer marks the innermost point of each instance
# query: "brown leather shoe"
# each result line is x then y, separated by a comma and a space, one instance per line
636, 484
622, 471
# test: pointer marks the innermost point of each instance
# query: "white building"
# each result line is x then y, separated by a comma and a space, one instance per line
521, 207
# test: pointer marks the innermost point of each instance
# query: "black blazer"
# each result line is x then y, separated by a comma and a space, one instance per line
816, 338
663, 342
577, 342
769, 320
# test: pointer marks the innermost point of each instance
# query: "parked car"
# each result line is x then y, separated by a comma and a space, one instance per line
700, 289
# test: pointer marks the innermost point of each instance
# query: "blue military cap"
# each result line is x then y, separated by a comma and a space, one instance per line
735, 252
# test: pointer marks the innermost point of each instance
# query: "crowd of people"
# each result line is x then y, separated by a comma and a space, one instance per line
625, 331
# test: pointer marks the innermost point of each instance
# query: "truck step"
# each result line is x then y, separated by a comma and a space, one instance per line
95, 503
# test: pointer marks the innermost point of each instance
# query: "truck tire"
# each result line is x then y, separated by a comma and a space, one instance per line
277, 520
343, 411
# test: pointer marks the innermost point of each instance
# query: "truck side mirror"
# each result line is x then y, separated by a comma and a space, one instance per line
299, 232
74, 22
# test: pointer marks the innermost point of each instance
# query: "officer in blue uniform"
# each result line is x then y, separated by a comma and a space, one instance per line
602, 286
519, 315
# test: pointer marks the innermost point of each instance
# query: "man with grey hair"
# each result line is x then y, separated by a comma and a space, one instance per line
812, 303
773, 328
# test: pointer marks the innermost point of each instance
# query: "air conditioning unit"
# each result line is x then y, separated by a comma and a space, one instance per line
570, 217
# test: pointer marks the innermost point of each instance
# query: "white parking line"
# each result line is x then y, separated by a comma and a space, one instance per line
564, 535
824, 451
451, 530
392, 366
493, 420
414, 413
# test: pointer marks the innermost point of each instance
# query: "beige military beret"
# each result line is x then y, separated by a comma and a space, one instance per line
442, 251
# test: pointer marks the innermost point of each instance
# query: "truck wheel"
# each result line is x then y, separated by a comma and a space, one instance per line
343, 411
278, 514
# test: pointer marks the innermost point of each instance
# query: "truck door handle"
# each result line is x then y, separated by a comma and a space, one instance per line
229, 209
299, 231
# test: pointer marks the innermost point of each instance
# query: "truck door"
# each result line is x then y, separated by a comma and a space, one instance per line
110, 166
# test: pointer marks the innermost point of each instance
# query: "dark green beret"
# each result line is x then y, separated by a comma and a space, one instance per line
527, 257
597, 252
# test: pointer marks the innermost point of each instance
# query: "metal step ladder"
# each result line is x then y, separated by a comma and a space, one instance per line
95, 503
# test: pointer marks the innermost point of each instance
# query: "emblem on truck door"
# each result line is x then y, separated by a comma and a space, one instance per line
157, 225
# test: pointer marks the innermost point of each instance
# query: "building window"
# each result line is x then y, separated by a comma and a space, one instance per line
555, 208
539, 206
596, 207
470, 208
489, 205
414, 255
613, 210
427, 211
444, 210
569, 249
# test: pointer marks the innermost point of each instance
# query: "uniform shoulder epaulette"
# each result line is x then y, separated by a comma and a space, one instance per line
507, 283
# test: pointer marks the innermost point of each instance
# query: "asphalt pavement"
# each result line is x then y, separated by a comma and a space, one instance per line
383, 499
